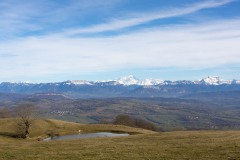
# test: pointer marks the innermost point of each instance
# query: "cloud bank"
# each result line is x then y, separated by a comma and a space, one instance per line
196, 46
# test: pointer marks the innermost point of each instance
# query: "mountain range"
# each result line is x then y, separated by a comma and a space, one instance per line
209, 103
128, 86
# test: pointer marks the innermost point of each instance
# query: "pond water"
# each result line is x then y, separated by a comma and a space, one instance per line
87, 135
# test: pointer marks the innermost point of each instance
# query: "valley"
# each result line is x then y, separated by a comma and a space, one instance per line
208, 111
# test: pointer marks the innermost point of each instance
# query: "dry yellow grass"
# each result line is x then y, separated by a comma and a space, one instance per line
191, 145
42, 127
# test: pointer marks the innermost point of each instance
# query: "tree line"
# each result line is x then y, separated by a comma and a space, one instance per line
131, 122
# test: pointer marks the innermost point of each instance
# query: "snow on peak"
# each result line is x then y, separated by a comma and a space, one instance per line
150, 82
27, 82
214, 80
132, 80
211, 80
80, 82
235, 81
129, 80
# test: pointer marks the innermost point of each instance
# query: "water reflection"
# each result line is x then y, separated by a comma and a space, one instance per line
87, 135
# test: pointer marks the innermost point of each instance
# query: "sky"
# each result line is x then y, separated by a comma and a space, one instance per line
58, 40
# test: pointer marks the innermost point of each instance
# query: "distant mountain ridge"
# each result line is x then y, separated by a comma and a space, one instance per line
128, 86
132, 80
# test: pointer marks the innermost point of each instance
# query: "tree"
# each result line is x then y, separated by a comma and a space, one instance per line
26, 114
124, 120
134, 122
145, 124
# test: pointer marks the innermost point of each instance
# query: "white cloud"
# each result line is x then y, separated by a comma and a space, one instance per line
116, 24
17, 17
199, 45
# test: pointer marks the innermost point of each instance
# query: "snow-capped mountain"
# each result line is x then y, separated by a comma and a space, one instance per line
81, 82
128, 86
211, 80
131, 80
214, 81
128, 80
151, 82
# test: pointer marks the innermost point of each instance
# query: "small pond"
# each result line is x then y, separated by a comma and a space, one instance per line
87, 135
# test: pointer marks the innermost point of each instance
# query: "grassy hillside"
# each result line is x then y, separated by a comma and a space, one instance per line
197, 145
43, 127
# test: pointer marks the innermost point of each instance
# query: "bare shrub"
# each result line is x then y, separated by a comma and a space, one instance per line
26, 114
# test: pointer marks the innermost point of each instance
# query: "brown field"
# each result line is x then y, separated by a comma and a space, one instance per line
195, 145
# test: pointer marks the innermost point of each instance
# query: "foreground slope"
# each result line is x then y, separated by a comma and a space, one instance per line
202, 145
174, 145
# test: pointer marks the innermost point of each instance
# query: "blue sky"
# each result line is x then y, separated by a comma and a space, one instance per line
58, 40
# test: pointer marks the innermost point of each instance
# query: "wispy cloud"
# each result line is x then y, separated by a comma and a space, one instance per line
117, 23
194, 46
18, 17
7, 55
